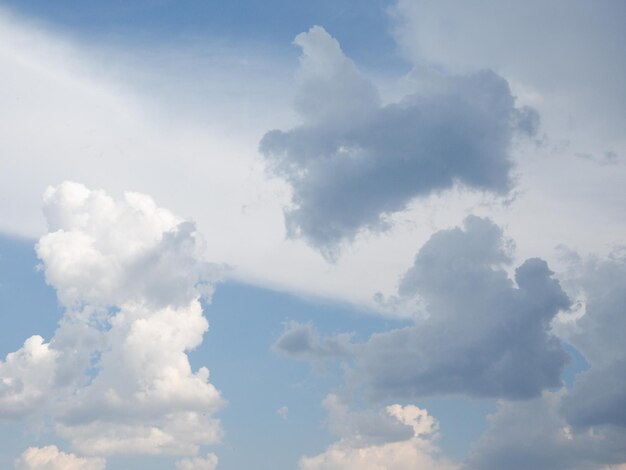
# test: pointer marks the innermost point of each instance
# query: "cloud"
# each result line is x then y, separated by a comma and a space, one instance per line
353, 162
485, 335
25, 377
533, 434
481, 333
398, 437
198, 463
283, 412
151, 255
598, 395
115, 376
556, 58
583, 427
302, 341
50, 458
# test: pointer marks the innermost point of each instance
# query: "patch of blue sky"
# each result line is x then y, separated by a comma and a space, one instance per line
27, 305
257, 382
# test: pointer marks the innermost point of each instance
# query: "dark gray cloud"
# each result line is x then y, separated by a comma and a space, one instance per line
599, 394
352, 162
485, 336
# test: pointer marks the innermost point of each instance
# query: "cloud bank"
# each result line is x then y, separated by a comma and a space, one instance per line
115, 377
353, 161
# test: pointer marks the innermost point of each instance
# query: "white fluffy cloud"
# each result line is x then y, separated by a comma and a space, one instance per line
399, 438
50, 458
116, 377
102, 252
26, 375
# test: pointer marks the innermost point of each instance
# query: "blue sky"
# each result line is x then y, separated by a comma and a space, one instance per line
313, 235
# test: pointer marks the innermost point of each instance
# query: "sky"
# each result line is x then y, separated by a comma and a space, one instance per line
312, 235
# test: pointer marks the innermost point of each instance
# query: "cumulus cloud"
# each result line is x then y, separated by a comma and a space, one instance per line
103, 252
116, 377
353, 161
398, 437
198, 463
482, 334
485, 334
50, 458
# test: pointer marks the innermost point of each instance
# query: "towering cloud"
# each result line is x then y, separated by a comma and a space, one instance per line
353, 161
115, 378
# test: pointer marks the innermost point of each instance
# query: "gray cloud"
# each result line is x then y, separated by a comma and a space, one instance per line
302, 341
584, 427
599, 394
485, 336
352, 162
533, 434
